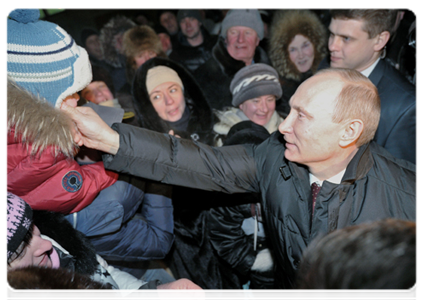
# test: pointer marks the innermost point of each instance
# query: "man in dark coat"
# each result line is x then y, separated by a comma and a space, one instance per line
358, 39
195, 43
237, 47
325, 142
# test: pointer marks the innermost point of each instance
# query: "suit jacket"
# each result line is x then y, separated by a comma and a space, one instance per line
397, 126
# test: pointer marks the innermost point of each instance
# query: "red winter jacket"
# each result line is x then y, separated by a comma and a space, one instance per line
40, 164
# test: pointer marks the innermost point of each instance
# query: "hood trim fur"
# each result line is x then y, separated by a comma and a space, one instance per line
34, 121
285, 26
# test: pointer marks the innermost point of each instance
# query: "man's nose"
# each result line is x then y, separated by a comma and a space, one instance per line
286, 125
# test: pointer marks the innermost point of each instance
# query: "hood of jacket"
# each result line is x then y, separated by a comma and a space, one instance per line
201, 119
116, 25
285, 26
34, 122
228, 64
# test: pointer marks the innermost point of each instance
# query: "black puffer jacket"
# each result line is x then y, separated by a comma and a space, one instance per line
193, 57
375, 185
216, 74
200, 126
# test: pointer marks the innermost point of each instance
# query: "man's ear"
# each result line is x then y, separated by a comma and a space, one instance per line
381, 40
352, 132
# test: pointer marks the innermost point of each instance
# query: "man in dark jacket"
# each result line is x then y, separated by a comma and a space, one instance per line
195, 43
237, 47
358, 40
326, 140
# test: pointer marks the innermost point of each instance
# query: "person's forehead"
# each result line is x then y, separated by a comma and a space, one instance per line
347, 25
243, 28
322, 88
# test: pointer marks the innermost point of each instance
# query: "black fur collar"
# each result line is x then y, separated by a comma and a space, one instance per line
55, 226
201, 120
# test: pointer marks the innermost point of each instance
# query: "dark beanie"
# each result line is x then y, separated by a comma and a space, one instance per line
246, 132
254, 81
191, 13
85, 33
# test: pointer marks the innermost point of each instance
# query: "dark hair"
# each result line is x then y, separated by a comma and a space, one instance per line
375, 20
377, 255
33, 277
21, 249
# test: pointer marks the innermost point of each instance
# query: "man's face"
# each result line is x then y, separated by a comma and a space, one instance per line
168, 21
350, 47
241, 43
37, 253
93, 46
190, 27
97, 92
312, 138
260, 109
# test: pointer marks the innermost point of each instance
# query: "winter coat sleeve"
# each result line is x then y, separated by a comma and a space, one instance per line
55, 183
228, 237
157, 228
182, 162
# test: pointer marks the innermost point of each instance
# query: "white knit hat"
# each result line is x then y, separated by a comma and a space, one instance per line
43, 59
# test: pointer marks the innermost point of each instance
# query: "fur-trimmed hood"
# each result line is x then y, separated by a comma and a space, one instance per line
285, 26
201, 116
118, 24
35, 122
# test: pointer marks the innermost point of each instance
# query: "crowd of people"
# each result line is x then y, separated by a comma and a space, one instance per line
267, 150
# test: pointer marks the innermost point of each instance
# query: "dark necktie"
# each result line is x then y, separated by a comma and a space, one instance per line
315, 189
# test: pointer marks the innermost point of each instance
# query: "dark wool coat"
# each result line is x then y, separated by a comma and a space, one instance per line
375, 185
285, 26
216, 74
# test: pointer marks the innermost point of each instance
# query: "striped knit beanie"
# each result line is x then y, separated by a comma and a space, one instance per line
19, 219
43, 58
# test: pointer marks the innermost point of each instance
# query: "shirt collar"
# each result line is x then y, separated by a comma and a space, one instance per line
334, 179
369, 70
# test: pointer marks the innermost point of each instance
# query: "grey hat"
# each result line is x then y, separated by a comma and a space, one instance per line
192, 13
243, 17
254, 81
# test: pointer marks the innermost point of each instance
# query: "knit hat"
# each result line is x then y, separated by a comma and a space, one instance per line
254, 81
191, 13
243, 17
19, 219
43, 58
159, 75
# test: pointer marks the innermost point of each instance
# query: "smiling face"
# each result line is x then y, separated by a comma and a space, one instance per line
168, 100
350, 46
190, 27
312, 138
241, 43
260, 109
301, 53
35, 254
